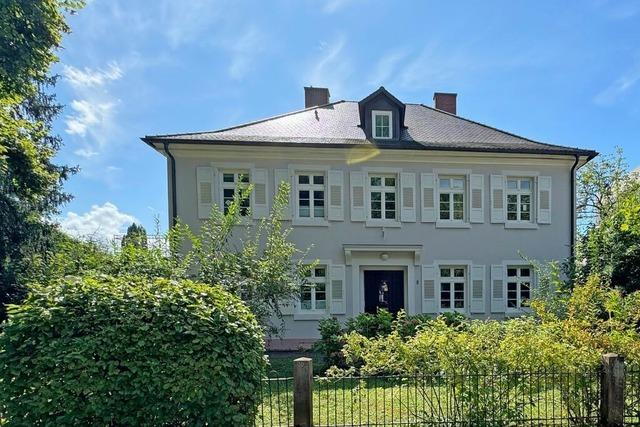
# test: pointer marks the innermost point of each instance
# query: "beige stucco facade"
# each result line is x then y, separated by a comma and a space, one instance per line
414, 244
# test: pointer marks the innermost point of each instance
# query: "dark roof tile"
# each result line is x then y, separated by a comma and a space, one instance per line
337, 124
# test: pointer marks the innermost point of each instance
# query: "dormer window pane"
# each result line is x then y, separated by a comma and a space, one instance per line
382, 125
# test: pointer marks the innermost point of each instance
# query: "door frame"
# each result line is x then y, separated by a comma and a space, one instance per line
384, 257
405, 283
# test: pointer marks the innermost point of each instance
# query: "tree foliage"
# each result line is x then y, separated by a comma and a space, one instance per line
257, 263
130, 351
30, 182
609, 204
136, 235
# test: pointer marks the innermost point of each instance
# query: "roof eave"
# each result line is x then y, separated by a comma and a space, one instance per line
590, 154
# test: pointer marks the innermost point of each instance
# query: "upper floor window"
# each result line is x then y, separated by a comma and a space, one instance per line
451, 190
234, 182
452, 285
382, 125
383, 188
518, 287
314, 291
311, 195
519, 199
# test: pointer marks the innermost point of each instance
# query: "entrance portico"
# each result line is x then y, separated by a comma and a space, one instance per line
384, 275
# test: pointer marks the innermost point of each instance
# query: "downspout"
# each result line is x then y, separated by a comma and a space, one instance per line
172, 178
572, 211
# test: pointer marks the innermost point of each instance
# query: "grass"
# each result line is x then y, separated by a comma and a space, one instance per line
412, 401
281, 363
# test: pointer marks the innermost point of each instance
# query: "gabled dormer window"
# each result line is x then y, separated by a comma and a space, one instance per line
382, 124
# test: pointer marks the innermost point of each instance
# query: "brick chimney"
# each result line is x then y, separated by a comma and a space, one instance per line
445, 101
314, 96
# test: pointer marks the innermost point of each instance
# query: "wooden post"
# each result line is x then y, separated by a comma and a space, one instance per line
612, 391
303, 392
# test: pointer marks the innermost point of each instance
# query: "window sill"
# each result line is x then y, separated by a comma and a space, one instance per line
383, 223
521, 225
309, 222
452, 224
318, 315
517, 312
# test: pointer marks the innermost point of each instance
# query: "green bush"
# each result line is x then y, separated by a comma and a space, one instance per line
371, 325
381, 324
130, 351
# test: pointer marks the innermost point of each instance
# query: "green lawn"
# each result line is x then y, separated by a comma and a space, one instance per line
281, 363
383, 401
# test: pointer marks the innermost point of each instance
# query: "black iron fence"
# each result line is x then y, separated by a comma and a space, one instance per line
496, 398
632, 396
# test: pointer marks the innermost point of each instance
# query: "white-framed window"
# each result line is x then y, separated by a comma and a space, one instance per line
519, 199
314, 290
382, 124
451, 190
234, 181
519, 279
452, 288
311, 195
383, 196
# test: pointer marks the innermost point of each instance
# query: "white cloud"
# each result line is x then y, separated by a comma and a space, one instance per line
386, 66
88, 77
87, 116
331, 6
620, 86
243, 51
92, 111
332, 68
101, 222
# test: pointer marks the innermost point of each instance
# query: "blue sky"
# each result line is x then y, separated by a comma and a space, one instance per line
560, 72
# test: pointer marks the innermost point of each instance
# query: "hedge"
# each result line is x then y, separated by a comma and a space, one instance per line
129, 351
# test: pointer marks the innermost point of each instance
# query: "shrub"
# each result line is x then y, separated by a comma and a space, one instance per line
130, 351
371, 325
330, 342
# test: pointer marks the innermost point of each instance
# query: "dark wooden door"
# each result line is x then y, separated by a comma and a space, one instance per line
383, 289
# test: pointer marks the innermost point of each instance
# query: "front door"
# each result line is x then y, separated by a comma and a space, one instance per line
383, 289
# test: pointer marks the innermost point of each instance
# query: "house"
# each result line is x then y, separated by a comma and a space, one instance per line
407, 206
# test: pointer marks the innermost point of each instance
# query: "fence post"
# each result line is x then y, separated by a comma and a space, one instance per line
303, 392
612, 391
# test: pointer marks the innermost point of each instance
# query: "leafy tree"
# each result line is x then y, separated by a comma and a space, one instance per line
609, 245
136, 235
255, 262
30, 182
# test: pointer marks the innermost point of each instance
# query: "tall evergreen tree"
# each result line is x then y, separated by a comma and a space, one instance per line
30, 182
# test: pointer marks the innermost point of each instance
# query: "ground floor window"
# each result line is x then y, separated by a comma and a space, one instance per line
518, 286
314, 291
452, 288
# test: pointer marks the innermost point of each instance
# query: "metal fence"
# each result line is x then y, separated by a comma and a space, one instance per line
533, 397
632, 396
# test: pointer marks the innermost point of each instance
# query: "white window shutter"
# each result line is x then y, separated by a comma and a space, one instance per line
497, 199
544, 200
358, 208
498, 289
429, 289
477, 289
476, 187
205, 188
337, 291
336, 199
282, 176
408, 197
428, 195
259, 204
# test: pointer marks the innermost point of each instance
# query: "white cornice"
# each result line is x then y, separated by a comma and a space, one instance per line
367, 154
